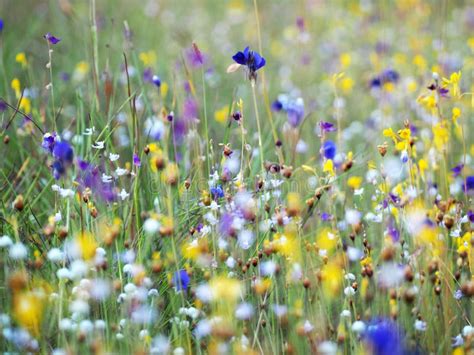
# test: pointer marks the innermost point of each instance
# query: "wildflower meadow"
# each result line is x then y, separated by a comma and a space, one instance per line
236, 177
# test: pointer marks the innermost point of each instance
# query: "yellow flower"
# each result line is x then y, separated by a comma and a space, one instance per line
221, 115
456, 113
328, 167
331, 278
28, 310
25, 105
346, 85
21, 58
354, 182
15, 84
164, 89
441, 135
345, 60
225, 289
454, 81
147, 58
81, 70
87, 245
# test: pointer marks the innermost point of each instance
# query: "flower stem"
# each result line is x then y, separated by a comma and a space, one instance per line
258, 127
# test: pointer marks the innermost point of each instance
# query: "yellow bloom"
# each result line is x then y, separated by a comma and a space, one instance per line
81, 70
28, 310
226, 289
328, 167
15, 84
221, 115
25, 105
454, 81
87, 245
441, 135
345, 60
354, 182
164, 89
331, 279
147, 58
21, 58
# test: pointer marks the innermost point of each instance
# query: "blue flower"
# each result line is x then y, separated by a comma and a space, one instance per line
181, 280
329, 150
217, 192
58, 169
457, 170
51, 39
156, 80
63, 152
470, 183
252, 60
295, 112
1, 25
384, 337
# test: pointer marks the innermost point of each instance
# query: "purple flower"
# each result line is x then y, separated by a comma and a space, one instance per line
51, 39
295, 112
48, 141
217, 192
457, 170
181, 280
329, 149
58, 169
470, 215
156, 80
63, 152
148, 75
90, 176
225, 225
470, 183
136, 160
326, 217
1, 25
384, 337
190, 109
195, 57
327, 126
277, 106
252, 60
387, 76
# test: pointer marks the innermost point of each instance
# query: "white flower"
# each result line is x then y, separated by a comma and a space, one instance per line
308, 327
18, 251
5, 241
268, 268
121, 172
55, 255
345, 313
352, 216
467, 330
327, 348
230, 262
349, 291
124, 194
203, 328
114, 157
244, 311
106, 178
358, 327
204, 293
64, 274
245, 239
88, 131
99, 145
151, 226
160, 345
65, 324
420, 325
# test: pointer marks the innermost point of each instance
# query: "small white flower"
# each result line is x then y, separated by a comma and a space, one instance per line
358, 327
124, 194
121, 172
88, 131
106, 178
327, 348
5, 241
467, 331
18, 251
64, 274
420, 325
349, 291
114, 157
58, 217
99, 145
55, 255
345, 313
308, 327
244, 311
151, 226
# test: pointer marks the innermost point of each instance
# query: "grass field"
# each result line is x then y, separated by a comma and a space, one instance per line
238, 176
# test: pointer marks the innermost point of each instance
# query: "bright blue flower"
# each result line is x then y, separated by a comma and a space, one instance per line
329, 150
470, 183
51, 39
58, 169
217, 192
384, 338
181, 280
1, 25
156, 80
63, 152
48, 141
252, 60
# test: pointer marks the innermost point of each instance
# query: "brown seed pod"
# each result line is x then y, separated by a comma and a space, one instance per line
18, 203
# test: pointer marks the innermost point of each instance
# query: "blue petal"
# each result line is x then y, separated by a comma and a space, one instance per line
239, 58
247, 53
259, 61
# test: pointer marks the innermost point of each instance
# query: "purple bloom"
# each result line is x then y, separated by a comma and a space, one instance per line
90, 176
156, 80
148, 75
181, 280
63, 152
190, 109
136, 160
470, 215
277, 106
327, 126
457, 170
393, 232
470, 183
58, 169
51, 39
252, 60
329, 149
384, 337
195, 57
1, 25
48, 141
387, 76
326, 217
295, 112
225, 225
217, 192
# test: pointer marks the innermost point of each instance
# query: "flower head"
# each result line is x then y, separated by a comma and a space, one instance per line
252, 60
181, 280
329, 150
51, 39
